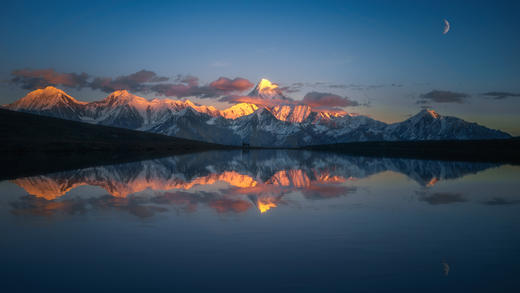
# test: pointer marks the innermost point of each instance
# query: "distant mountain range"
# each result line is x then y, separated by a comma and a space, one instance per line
282, 125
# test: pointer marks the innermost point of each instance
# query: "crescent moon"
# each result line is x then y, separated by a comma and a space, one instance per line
446, 27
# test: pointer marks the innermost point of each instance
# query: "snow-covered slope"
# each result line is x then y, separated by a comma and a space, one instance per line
50, 101
429, 125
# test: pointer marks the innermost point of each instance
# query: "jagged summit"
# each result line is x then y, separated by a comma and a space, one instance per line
267, 90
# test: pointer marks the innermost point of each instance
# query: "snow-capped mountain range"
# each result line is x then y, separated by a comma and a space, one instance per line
282, 125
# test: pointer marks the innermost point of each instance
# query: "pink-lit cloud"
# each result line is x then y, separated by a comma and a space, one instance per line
40, 78
327, 100
230, 85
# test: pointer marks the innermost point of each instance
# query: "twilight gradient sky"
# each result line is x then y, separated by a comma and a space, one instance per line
389, 56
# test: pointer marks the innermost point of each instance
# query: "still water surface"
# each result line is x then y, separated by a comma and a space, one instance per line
262, 221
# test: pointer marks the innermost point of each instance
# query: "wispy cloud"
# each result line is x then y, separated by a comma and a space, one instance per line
297, 86
438, 96
501, 95
363, 87
498, 201
135, 82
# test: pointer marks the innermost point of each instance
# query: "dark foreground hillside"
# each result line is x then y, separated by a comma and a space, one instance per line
29, 132
493, 150
31, 144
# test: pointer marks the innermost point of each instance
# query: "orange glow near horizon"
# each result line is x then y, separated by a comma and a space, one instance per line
267, 194
243, 193
50, 189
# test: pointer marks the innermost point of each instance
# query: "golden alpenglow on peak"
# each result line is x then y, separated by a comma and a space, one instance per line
239, 110
268, 88
265, 84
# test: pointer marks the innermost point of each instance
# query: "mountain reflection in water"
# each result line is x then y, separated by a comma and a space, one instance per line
226, 181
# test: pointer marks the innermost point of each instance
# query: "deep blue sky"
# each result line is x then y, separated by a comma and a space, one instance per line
366, 47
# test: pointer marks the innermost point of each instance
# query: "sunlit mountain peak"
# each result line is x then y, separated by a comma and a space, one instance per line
121, 93
267, 90
429, 113
50, 90
239, 110
123, 97
265, 85
45, 99
433, 113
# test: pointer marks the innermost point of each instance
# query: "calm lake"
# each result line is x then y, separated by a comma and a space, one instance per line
260, 221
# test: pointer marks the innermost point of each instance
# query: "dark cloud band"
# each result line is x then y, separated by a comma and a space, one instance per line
438, 96
143, 81
501, 95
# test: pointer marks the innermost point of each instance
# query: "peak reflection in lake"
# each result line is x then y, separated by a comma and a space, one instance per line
305, 221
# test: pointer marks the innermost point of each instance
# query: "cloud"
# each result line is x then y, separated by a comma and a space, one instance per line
181, 86
327, 100
437, 96
34, 79
351, 86
135, 82
501, 95
188, 86
225, 84
293, 88
144, 81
